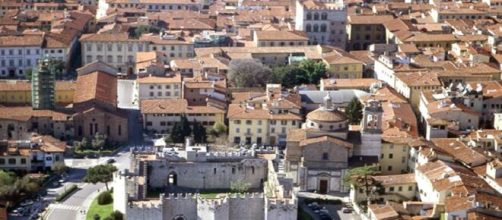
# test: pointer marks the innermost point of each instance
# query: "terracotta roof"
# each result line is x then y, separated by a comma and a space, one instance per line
50, 144
174, 106
325, 138
96, 85
238, 111
386, 94
399, 123
27, 112
282, 35
373, 19
425, 37
459, 151
364, 83
160, 80
383, 212
397, 179
326, 115
418, 78
21, 41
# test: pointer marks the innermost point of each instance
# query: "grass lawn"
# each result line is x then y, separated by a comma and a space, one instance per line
209, 195
102, 210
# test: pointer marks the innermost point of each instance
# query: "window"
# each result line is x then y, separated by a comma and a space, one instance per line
23, 160
272, 130
391, 156
249, 122
237, 130
258, 130
12, 161
284, 122
109, 47
410, 188
309, 16
323, 27
389, 168
308, 28
316, 16
214, 170
233, 170
2, 161
391, 189
325, 156
119, 59
324, 16
237, 122
99, 47
316, 28
129, 47
109, 59
400, 188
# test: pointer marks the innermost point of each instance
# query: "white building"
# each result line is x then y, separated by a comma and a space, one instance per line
324, 22
18, 54
156, 87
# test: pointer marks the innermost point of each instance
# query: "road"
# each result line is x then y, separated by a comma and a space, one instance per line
70, 208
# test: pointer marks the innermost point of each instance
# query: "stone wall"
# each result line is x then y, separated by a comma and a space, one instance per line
145, 210
209, 175
280, 209
179, 205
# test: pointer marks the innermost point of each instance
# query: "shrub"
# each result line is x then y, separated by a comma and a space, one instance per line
105, 198
66, 193
116, 215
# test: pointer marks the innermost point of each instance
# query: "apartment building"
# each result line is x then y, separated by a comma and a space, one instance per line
364, 30
343, 66
200, 90
263, 118
160, 115
274, 38
36, 154
159, 87
18, 54
119, 50
323, 21
158, 5
18, 92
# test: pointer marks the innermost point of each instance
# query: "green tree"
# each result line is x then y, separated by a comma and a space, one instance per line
289, 76
239, 186
219, 128
12, 187
100, 174
314, 70
117, 215
185, 127
361, 177
199, 132
354, 111
59, 168
99, 141
248, 73
176, 135
83, 144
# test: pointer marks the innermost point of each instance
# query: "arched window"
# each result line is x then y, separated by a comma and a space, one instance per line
308, 28
309, 16
316, 28
323, 27
324, 16
316, 16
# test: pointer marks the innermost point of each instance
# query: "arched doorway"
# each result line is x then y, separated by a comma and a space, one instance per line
172, 179
179, 217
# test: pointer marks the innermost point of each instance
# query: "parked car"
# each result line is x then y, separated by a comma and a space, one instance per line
347, 210
110, 161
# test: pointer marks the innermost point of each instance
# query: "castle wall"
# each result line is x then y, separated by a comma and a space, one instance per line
179, 205
214, 209
120, 192
145, 210
249, 207
209, 175
279, 210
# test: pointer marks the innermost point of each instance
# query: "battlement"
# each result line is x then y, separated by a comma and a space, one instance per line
172, 196
223, 155
142, 205
246, 195
288, 204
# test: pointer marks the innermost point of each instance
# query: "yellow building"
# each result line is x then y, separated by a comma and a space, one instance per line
263, 118
422, 40
397, 188
343, 66
18, 92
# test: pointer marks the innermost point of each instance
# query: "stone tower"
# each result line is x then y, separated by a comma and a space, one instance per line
371, 130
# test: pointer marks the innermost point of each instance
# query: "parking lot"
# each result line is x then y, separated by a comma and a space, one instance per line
320, 211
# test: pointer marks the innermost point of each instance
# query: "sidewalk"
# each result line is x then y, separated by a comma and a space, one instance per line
87, 204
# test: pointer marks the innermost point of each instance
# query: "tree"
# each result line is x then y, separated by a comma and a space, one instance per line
219, 128
117, 215
239, 186
360, 177
59, 168
354, 111
248, 73
181, 130
82, 145
289, 76
100, 174
314, 70
98, 142
199, 132
12, 187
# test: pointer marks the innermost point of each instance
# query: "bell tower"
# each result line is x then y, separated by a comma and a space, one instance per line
371, 130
